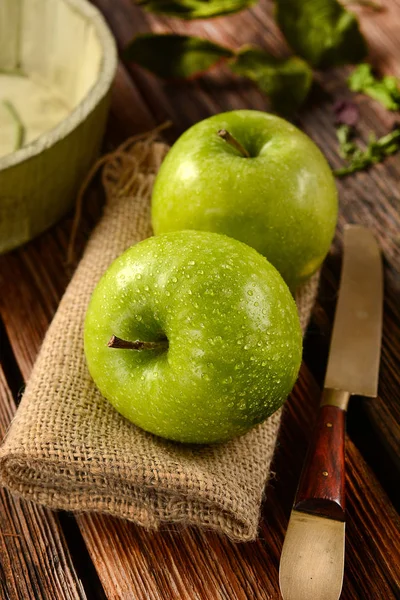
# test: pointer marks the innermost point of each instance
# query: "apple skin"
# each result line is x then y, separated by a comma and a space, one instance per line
282, 201
232, 326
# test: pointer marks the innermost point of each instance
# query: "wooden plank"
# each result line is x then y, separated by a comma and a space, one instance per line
129, 114
136, 564
35, 561
131, 562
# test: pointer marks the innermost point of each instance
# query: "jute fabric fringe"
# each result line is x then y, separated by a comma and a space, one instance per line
67, 448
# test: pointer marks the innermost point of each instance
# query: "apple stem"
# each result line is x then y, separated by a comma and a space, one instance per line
116, 342
229, 139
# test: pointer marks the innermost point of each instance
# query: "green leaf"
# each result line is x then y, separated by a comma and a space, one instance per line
386, 90
287, 82
173, 56
375, 152
347, 147
195, 9
321, 31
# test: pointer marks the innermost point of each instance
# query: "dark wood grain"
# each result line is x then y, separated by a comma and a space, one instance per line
321, 488
190, 564
35, 562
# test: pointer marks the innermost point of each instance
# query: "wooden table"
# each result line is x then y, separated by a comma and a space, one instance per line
51, 555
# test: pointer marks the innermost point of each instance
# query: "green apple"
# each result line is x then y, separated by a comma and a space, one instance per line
193, 336
261, 181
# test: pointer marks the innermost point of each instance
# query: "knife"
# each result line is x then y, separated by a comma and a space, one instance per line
312, 560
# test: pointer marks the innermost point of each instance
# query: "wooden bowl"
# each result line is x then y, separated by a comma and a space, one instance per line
57, 64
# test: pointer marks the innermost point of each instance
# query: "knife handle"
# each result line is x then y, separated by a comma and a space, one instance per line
321, 487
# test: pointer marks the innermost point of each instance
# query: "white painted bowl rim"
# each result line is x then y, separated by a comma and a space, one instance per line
89, 102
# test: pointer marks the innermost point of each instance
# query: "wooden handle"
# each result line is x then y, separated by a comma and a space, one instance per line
321, 488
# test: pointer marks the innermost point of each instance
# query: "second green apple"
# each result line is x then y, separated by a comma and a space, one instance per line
273, 189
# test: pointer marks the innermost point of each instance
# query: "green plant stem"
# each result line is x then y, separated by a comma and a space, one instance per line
116, 342
229, 139
376, 151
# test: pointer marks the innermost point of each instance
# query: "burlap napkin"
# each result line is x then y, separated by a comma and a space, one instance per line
68, 448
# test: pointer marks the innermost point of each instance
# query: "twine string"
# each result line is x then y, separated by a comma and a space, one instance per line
119, 176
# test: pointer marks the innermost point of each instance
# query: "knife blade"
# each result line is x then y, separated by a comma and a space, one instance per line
312, 560
354, 352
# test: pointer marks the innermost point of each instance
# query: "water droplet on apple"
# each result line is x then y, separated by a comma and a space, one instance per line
174, 279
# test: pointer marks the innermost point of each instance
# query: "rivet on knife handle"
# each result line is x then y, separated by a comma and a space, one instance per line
321, 488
